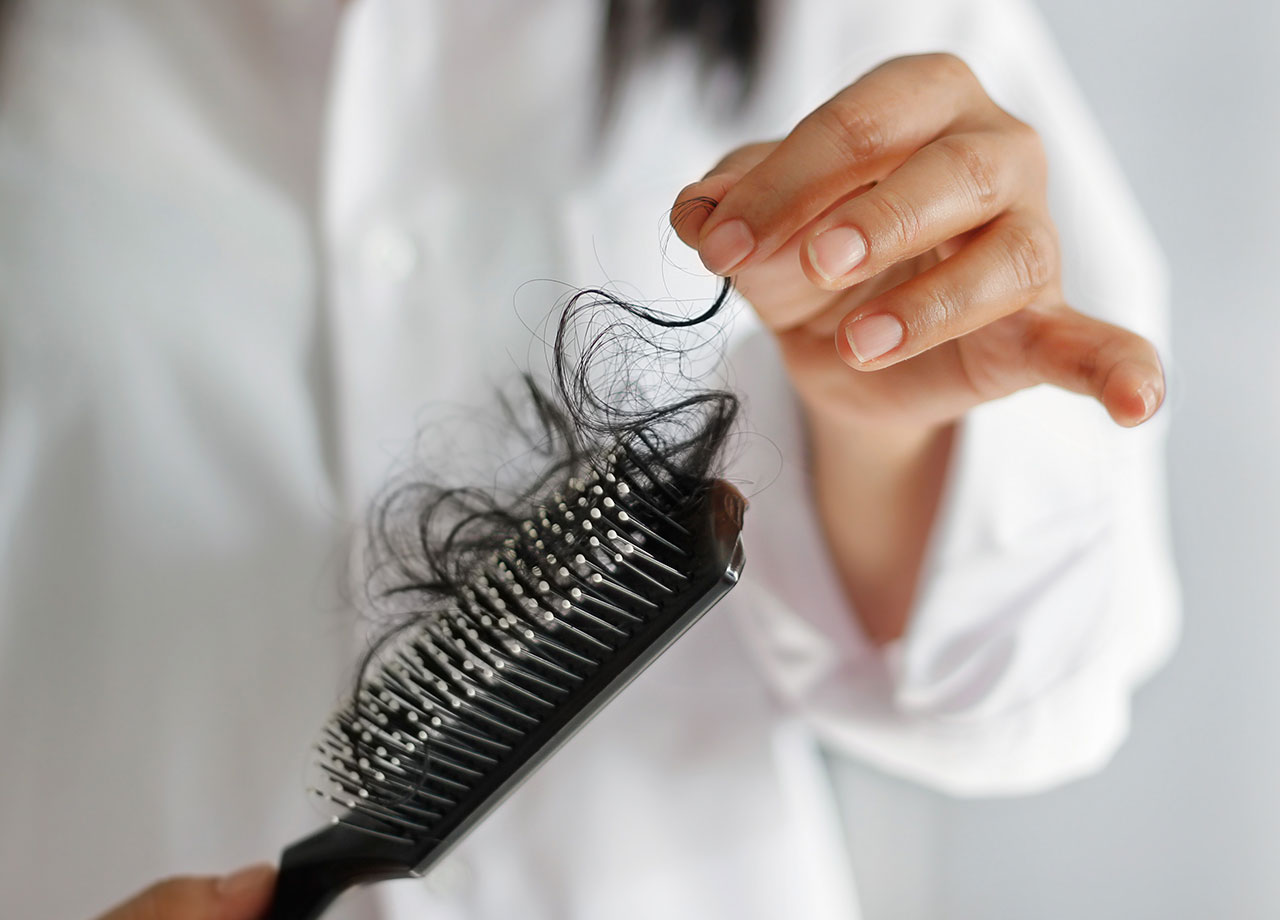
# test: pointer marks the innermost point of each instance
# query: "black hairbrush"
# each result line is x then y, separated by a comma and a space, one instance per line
460, 708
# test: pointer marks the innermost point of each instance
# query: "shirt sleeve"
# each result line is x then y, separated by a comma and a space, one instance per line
1048, 591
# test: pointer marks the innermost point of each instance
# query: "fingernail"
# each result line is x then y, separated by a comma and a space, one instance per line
1150, 400
873, 336
726, 246
250, 878
836, 252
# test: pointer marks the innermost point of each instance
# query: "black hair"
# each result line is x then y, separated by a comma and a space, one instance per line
727, 33
428, 539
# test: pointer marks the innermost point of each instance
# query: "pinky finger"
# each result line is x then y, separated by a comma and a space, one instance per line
1119, 368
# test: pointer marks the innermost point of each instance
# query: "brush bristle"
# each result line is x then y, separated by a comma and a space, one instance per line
465, 693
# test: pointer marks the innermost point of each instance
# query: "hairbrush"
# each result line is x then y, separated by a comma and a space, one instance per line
534, 639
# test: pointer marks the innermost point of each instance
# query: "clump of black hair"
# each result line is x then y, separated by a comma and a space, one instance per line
429, 539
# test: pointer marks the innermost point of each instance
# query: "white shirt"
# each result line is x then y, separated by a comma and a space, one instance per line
249, 250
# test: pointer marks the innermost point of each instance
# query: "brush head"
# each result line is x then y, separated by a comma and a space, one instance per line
464, 704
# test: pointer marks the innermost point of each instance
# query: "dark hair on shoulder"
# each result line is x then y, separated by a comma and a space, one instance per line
725, 32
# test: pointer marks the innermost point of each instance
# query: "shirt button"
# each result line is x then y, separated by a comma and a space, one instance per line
450, 878
390, 253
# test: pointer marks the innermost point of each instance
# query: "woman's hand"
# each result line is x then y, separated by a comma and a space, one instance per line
906, 221
898, 243
243, 895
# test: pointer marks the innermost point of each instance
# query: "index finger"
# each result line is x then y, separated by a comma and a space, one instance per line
860, 135
698, 200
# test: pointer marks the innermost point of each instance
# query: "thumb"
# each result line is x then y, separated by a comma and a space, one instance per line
242, 895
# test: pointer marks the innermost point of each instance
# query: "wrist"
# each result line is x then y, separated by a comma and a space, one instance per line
891, 445
877, 487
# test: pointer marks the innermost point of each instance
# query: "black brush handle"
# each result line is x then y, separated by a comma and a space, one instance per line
316, 869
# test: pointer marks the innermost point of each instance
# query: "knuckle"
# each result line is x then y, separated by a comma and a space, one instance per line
897, 220
856, 133
1088, 367
1027, 136
948, 66
1032, 255
1030, 144
1036, 331
944, 311
766, 200
1055, 342
974, 170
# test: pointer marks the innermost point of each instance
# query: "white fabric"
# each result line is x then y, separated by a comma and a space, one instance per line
248, 250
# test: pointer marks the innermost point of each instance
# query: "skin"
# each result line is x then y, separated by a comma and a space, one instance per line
946, 193
242, 895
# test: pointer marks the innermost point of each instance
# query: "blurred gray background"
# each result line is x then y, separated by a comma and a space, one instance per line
1186, 821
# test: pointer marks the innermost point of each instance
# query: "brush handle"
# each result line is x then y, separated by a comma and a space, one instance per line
301, 895
316, 869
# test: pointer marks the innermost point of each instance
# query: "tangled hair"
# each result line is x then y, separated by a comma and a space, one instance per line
428, 539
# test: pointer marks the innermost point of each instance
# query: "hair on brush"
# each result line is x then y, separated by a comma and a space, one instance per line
517, 619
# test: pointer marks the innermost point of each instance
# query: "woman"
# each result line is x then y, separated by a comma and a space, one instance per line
244, 245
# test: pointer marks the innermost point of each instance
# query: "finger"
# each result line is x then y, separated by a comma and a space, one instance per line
698, 199
859, 136
1003, 268
243, 895
956, 183
1117, 367
785, 299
